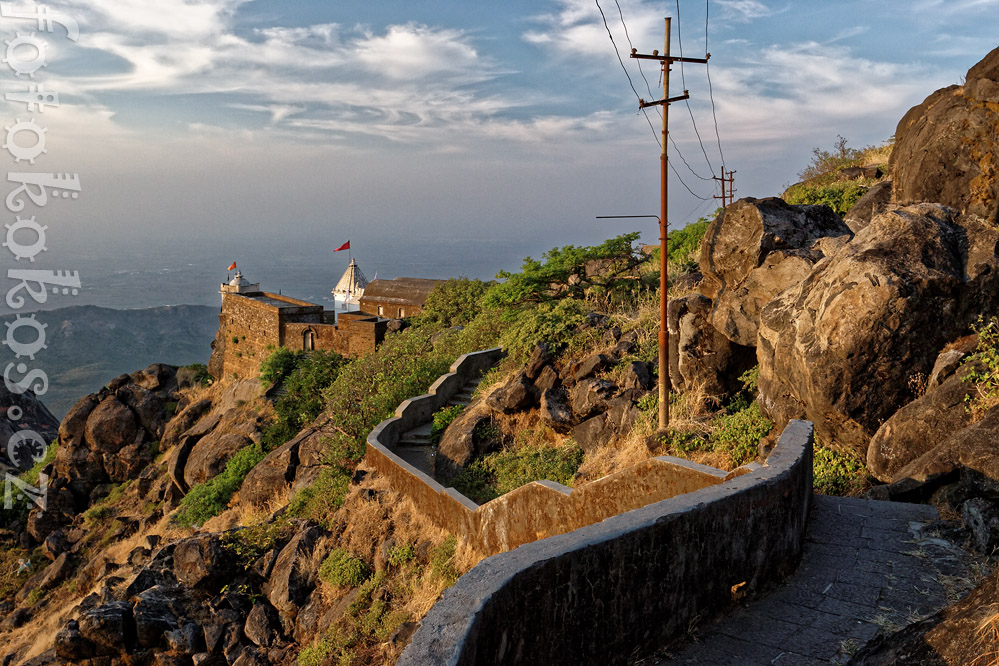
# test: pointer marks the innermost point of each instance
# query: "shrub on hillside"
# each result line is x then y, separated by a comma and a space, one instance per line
563, 273
209, 499
739, 434
305, 377
453, 303
555, 324
278, 365
441, 420
490, 476
840, 196
341, 569
837, 472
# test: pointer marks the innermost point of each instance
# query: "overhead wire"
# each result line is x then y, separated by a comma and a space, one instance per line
639, 97
631, 46
711, 94
652, 94
630, 82
683, 80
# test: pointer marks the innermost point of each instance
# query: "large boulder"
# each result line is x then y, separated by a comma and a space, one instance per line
920, 425
111, 426
946, 148
209, 456
972, 453
756, 249
700, 357
463, 440
839, 348
293, 577
874, 202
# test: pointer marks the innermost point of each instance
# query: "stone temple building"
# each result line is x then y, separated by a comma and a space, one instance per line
253, 322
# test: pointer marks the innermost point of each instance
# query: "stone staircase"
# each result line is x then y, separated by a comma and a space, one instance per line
414, 445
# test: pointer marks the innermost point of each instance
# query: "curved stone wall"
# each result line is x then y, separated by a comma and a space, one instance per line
601, 593
536, 510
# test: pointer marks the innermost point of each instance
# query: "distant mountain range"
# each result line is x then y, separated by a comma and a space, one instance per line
89, 345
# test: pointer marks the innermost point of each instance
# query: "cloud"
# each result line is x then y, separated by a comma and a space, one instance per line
577, 30
784, 92
417, 51
744, 10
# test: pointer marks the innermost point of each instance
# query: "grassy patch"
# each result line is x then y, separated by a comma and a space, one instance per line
837, 472
442, 419
986, 392
498, 473
341, 569
739, 434
247, 545
209, 499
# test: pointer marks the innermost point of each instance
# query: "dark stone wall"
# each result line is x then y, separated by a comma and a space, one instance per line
631, 583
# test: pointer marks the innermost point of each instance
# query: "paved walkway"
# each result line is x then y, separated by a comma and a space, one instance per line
867, 566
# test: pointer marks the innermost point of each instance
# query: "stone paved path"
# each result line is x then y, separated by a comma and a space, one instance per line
867, 566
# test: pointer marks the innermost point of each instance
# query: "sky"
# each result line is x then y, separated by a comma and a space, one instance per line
234, 126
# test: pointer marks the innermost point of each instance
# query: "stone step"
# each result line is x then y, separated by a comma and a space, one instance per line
420, 457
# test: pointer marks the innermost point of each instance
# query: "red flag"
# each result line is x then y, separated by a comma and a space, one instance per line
233, 267
345, 246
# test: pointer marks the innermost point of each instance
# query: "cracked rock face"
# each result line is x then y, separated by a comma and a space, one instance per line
756, 249
839, 348
947, 148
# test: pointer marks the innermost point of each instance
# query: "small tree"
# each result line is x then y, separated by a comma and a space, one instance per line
563, 273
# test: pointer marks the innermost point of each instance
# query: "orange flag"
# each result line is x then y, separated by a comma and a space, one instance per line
233, 267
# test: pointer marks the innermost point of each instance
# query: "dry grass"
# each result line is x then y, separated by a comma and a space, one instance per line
988, 634
878, 154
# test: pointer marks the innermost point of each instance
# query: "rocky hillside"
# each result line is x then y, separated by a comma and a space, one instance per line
88, 345
237, 523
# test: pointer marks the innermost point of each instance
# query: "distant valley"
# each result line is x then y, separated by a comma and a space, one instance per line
89, 345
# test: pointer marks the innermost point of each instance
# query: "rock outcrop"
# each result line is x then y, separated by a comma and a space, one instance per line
701, 358
947, 149
24, 413
839, 347
756, 249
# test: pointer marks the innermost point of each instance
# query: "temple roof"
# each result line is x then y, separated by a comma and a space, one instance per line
352, 283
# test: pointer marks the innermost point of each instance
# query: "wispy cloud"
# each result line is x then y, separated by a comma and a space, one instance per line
744, 10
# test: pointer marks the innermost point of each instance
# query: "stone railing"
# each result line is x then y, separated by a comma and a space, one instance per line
536, 510
631, 583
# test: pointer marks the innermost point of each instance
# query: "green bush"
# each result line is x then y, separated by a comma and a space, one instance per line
453, 303
442, 419
739, 434
837, 472
828, 162
201, 375
840, 196
555, 324
341, 569
320, 499
490, 476
399, 555
442, 561
209, 499
248, 544
562, 273
986, 393
278, 365
305, 377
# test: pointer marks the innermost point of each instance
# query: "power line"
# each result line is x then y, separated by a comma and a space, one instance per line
707, 70
676, 148
683, 79
684, 160
630, 82
685, 186
632, 47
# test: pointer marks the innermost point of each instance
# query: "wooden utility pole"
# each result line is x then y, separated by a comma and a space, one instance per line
667, 60
731, 187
